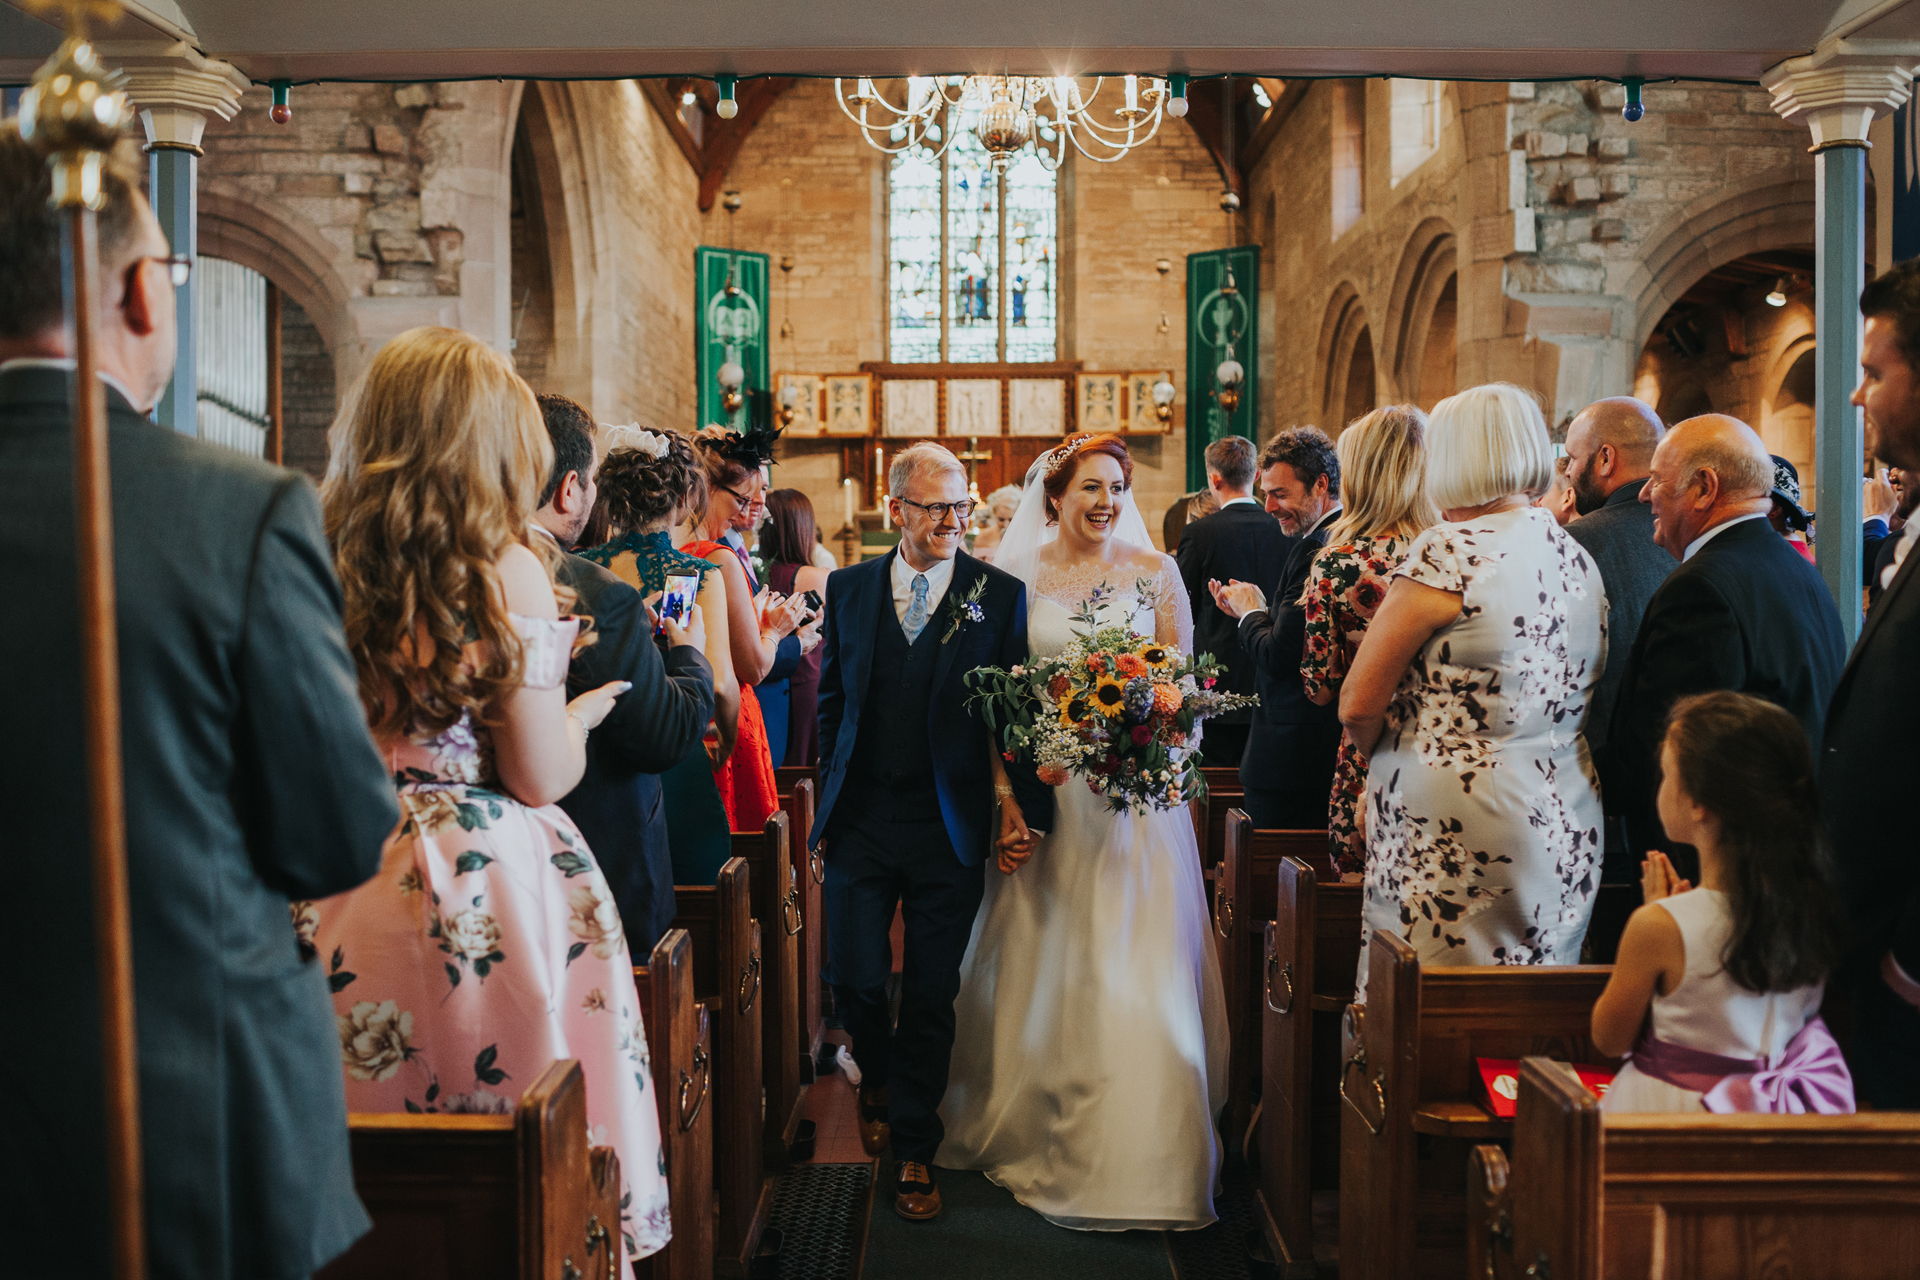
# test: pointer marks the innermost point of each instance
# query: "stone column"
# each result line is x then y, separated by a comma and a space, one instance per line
176, 89
1837, 91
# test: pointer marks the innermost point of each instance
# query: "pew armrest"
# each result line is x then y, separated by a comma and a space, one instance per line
1460, 1118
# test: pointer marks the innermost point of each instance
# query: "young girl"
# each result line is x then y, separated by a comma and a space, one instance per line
1731, 972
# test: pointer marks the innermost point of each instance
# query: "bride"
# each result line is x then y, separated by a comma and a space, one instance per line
1090, 1055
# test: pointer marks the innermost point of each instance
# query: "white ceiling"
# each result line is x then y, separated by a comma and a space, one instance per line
1463, 39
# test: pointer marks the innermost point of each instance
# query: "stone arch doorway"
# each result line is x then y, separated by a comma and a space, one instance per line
548, 325
1722, 347
1346, 353
1423, 316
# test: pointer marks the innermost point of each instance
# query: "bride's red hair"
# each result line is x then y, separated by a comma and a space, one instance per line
1060, 479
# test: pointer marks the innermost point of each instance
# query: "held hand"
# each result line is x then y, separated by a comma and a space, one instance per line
810, 636
591, 707
1877, 497
694, 633
1237, 599
1658, 879
781, 615
1016, 842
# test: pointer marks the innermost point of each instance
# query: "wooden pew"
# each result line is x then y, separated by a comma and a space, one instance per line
1692, 1197
680, 1040
1224, 793
768, 854
1312, 950
798, 792
1406, 1081
1242, 901
486, 1196
727, 972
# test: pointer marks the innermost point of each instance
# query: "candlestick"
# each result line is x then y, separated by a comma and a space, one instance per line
880, 476
846, 492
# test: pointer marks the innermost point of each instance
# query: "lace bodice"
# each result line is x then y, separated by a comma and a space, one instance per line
1141, 587
463, 751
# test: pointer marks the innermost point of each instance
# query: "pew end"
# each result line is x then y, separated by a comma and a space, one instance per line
775, 881
485, 1196
680, 1036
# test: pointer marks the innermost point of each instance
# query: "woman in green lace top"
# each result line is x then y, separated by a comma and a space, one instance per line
648, 483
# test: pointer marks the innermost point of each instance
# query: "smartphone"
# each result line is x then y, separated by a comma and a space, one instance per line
676, 601
813, 602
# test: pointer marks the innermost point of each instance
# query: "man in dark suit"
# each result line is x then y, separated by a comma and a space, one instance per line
1743, 611
618, 805
1287, 770
250, 780
1868, 758
1610, 446
908, 801
1238, 542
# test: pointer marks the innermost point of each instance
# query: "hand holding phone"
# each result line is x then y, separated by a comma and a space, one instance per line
676, 601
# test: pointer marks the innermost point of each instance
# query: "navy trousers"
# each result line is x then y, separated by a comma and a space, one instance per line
1885, 1054
874, 865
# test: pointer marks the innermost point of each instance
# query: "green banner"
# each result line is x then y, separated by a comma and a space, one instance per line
1223, 317
729, 323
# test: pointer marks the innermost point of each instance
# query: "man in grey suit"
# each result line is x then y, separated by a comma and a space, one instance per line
1609, 456
250, 780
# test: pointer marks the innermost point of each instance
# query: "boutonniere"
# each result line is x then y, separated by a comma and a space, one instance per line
964, 609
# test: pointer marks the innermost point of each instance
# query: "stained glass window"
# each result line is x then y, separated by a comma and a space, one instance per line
914, 227
997, 249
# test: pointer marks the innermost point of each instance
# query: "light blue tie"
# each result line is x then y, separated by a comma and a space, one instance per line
916, 620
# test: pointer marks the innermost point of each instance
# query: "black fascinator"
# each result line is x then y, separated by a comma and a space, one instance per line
752, 448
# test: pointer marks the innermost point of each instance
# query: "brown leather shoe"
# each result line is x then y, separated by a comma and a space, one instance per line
875, 1132
915, 1198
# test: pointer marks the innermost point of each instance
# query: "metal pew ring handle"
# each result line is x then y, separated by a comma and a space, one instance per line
703, 1066
817, 865
1224, 924
749, 982
598, 1236
790, 918
1359, 1059
1286, 976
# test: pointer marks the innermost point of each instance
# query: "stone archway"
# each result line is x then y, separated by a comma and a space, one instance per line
1422, 316
551, 244
1346, 354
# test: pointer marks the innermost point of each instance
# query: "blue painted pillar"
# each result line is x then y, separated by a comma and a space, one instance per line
1840, 256
172, 173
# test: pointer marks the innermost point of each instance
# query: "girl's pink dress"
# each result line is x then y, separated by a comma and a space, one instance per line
487, 947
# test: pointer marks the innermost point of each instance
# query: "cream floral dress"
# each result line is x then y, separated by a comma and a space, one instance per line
1484, 824
487, 947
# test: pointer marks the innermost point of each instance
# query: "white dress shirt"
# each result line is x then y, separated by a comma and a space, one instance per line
1716, 531
939, 578
1234, 502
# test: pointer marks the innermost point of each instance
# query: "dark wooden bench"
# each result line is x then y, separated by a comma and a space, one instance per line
1312, 950
487, 1197
1406, 1079
727, 973
768, 854
799, 792
1243, 900
680, 1040
1691, 1197
1224, 793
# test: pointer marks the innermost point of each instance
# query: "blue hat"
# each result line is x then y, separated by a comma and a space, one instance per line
1786, 491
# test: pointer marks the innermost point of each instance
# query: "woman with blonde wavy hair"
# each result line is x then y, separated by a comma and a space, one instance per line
488, 945
1383, 508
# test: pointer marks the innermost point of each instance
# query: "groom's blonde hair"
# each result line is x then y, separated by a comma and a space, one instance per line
921, 459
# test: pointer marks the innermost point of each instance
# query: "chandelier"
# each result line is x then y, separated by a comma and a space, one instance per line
1009, 114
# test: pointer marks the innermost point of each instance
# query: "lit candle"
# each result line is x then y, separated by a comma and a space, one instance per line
846, 491
880, 476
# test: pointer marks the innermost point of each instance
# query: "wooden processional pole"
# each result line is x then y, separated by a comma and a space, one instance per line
74, 113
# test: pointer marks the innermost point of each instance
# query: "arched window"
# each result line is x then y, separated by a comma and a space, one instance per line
230, 362
1415, 124
972, 276
1349, 153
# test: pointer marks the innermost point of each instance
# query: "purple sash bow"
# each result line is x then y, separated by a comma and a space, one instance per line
1808, 1076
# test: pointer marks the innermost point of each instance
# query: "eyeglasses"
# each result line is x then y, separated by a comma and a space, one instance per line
179, 266
937, 511
740, 497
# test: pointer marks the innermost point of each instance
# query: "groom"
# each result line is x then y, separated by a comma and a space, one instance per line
908, 806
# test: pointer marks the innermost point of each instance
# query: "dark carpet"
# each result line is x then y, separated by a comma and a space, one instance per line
984, 1234
821, 1211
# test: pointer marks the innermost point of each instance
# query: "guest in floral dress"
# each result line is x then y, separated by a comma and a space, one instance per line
1469, 693
488, 945
1384, 506
648, 483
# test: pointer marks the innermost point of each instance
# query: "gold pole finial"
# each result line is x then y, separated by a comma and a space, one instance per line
76, 109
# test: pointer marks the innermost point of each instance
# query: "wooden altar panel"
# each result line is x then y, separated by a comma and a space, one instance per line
910, 407
1038, 407
973, 407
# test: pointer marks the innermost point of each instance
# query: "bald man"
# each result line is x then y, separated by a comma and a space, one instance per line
1742, 610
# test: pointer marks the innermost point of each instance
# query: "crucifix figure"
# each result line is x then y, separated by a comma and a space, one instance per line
973, 457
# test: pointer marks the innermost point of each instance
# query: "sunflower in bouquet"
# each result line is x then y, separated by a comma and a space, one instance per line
1115, 708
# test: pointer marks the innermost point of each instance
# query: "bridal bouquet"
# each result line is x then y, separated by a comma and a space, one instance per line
1114, 707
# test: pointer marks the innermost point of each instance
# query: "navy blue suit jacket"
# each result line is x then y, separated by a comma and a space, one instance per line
856, 599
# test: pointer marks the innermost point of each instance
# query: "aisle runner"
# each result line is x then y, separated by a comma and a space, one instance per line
985, 1233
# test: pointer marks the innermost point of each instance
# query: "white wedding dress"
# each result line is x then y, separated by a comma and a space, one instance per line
1090, 1056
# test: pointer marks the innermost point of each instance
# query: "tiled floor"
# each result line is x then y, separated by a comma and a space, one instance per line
831, 1105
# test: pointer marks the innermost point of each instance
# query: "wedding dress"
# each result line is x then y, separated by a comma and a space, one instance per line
1090, 1055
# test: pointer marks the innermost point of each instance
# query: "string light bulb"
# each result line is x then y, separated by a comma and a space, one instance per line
1778, 297
1177, 104
728, 108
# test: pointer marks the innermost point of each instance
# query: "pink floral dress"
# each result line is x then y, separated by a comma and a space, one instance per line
487, 947
1344, 589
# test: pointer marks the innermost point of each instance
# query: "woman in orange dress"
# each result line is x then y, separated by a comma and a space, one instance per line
757, 620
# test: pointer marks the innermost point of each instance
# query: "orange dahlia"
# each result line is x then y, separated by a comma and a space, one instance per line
1167, 698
